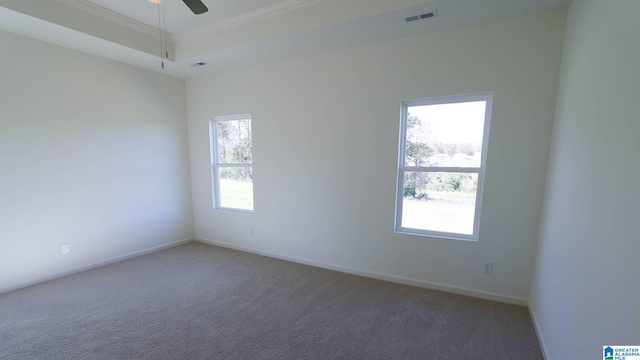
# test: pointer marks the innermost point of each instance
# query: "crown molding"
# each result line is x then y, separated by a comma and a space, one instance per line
265, 12
114, 17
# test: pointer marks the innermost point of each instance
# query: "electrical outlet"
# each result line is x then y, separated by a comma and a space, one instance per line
488, 267
64, 249
251, 231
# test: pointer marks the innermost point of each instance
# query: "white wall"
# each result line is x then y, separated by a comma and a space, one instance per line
325, 152
585, 293
93, 153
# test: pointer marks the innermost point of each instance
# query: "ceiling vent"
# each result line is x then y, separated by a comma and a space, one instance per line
421, 16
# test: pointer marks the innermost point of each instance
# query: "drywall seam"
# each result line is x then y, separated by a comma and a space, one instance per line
95, 265
376, 275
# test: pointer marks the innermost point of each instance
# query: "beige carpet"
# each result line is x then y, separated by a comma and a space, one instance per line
204, 302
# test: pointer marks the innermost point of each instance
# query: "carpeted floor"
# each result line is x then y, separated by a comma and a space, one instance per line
198, 301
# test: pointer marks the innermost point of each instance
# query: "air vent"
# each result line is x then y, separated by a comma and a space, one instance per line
421, 16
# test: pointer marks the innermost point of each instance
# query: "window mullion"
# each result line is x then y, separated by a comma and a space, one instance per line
442, 169
234, 165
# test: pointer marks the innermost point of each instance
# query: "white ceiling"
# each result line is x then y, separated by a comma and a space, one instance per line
239, 33
178, 16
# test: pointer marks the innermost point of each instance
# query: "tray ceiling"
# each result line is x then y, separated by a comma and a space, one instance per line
240, 33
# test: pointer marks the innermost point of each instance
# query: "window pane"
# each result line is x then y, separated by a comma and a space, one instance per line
236, 187
439, 201
234, 141
445, 135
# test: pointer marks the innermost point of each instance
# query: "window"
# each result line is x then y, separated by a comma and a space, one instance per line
442, 157
232, 169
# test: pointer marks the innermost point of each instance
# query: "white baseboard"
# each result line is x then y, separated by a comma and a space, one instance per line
376, 275
541, 342
94, 265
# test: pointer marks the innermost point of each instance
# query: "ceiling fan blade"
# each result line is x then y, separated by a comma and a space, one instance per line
196, 6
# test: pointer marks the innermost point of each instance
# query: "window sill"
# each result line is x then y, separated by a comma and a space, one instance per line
468, 238
234, 211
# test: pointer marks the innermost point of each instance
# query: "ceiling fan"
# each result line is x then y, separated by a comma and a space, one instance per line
195, 5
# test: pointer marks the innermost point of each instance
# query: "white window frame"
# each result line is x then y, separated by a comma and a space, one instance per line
215, 159
402, 168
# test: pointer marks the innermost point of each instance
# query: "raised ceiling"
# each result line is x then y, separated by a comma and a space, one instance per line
178, 16
239, 33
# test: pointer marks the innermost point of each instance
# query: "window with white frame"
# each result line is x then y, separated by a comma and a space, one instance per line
232, 162
442, 159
